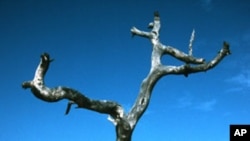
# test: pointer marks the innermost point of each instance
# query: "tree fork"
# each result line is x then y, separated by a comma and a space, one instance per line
126, 123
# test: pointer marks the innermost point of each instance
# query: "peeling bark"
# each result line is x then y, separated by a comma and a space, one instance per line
125, 123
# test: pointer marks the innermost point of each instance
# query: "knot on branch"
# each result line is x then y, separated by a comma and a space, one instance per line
186, 70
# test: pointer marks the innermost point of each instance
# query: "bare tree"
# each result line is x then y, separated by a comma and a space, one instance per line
126, 122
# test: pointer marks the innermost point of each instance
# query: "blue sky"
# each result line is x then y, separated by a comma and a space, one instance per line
95, 54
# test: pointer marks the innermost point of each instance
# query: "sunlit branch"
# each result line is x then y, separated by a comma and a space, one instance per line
159, 70
190, 53
47, 94
125, 123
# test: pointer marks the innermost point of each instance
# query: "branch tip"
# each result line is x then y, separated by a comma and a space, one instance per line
226, 47
26, 85
46, 57
68, 107
191, 43
156, 14
150, 25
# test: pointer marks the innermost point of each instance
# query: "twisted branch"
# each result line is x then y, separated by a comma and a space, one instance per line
47, 94
125, 123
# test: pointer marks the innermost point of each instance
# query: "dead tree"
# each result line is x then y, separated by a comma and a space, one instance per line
125, 122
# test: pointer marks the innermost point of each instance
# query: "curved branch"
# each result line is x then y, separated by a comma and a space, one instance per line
58, 93
181, 55
188, 69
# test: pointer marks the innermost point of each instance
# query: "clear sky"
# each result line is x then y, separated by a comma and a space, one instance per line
95, 54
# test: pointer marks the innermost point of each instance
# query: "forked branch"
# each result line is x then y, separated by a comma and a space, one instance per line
125, 123
190, 65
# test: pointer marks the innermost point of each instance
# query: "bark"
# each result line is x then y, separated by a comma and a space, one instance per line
125, 123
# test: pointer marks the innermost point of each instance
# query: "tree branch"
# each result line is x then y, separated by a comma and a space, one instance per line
58, 93
190, 52
158, 70
181, 55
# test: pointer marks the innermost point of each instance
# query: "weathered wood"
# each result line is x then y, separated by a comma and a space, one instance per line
125, 123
